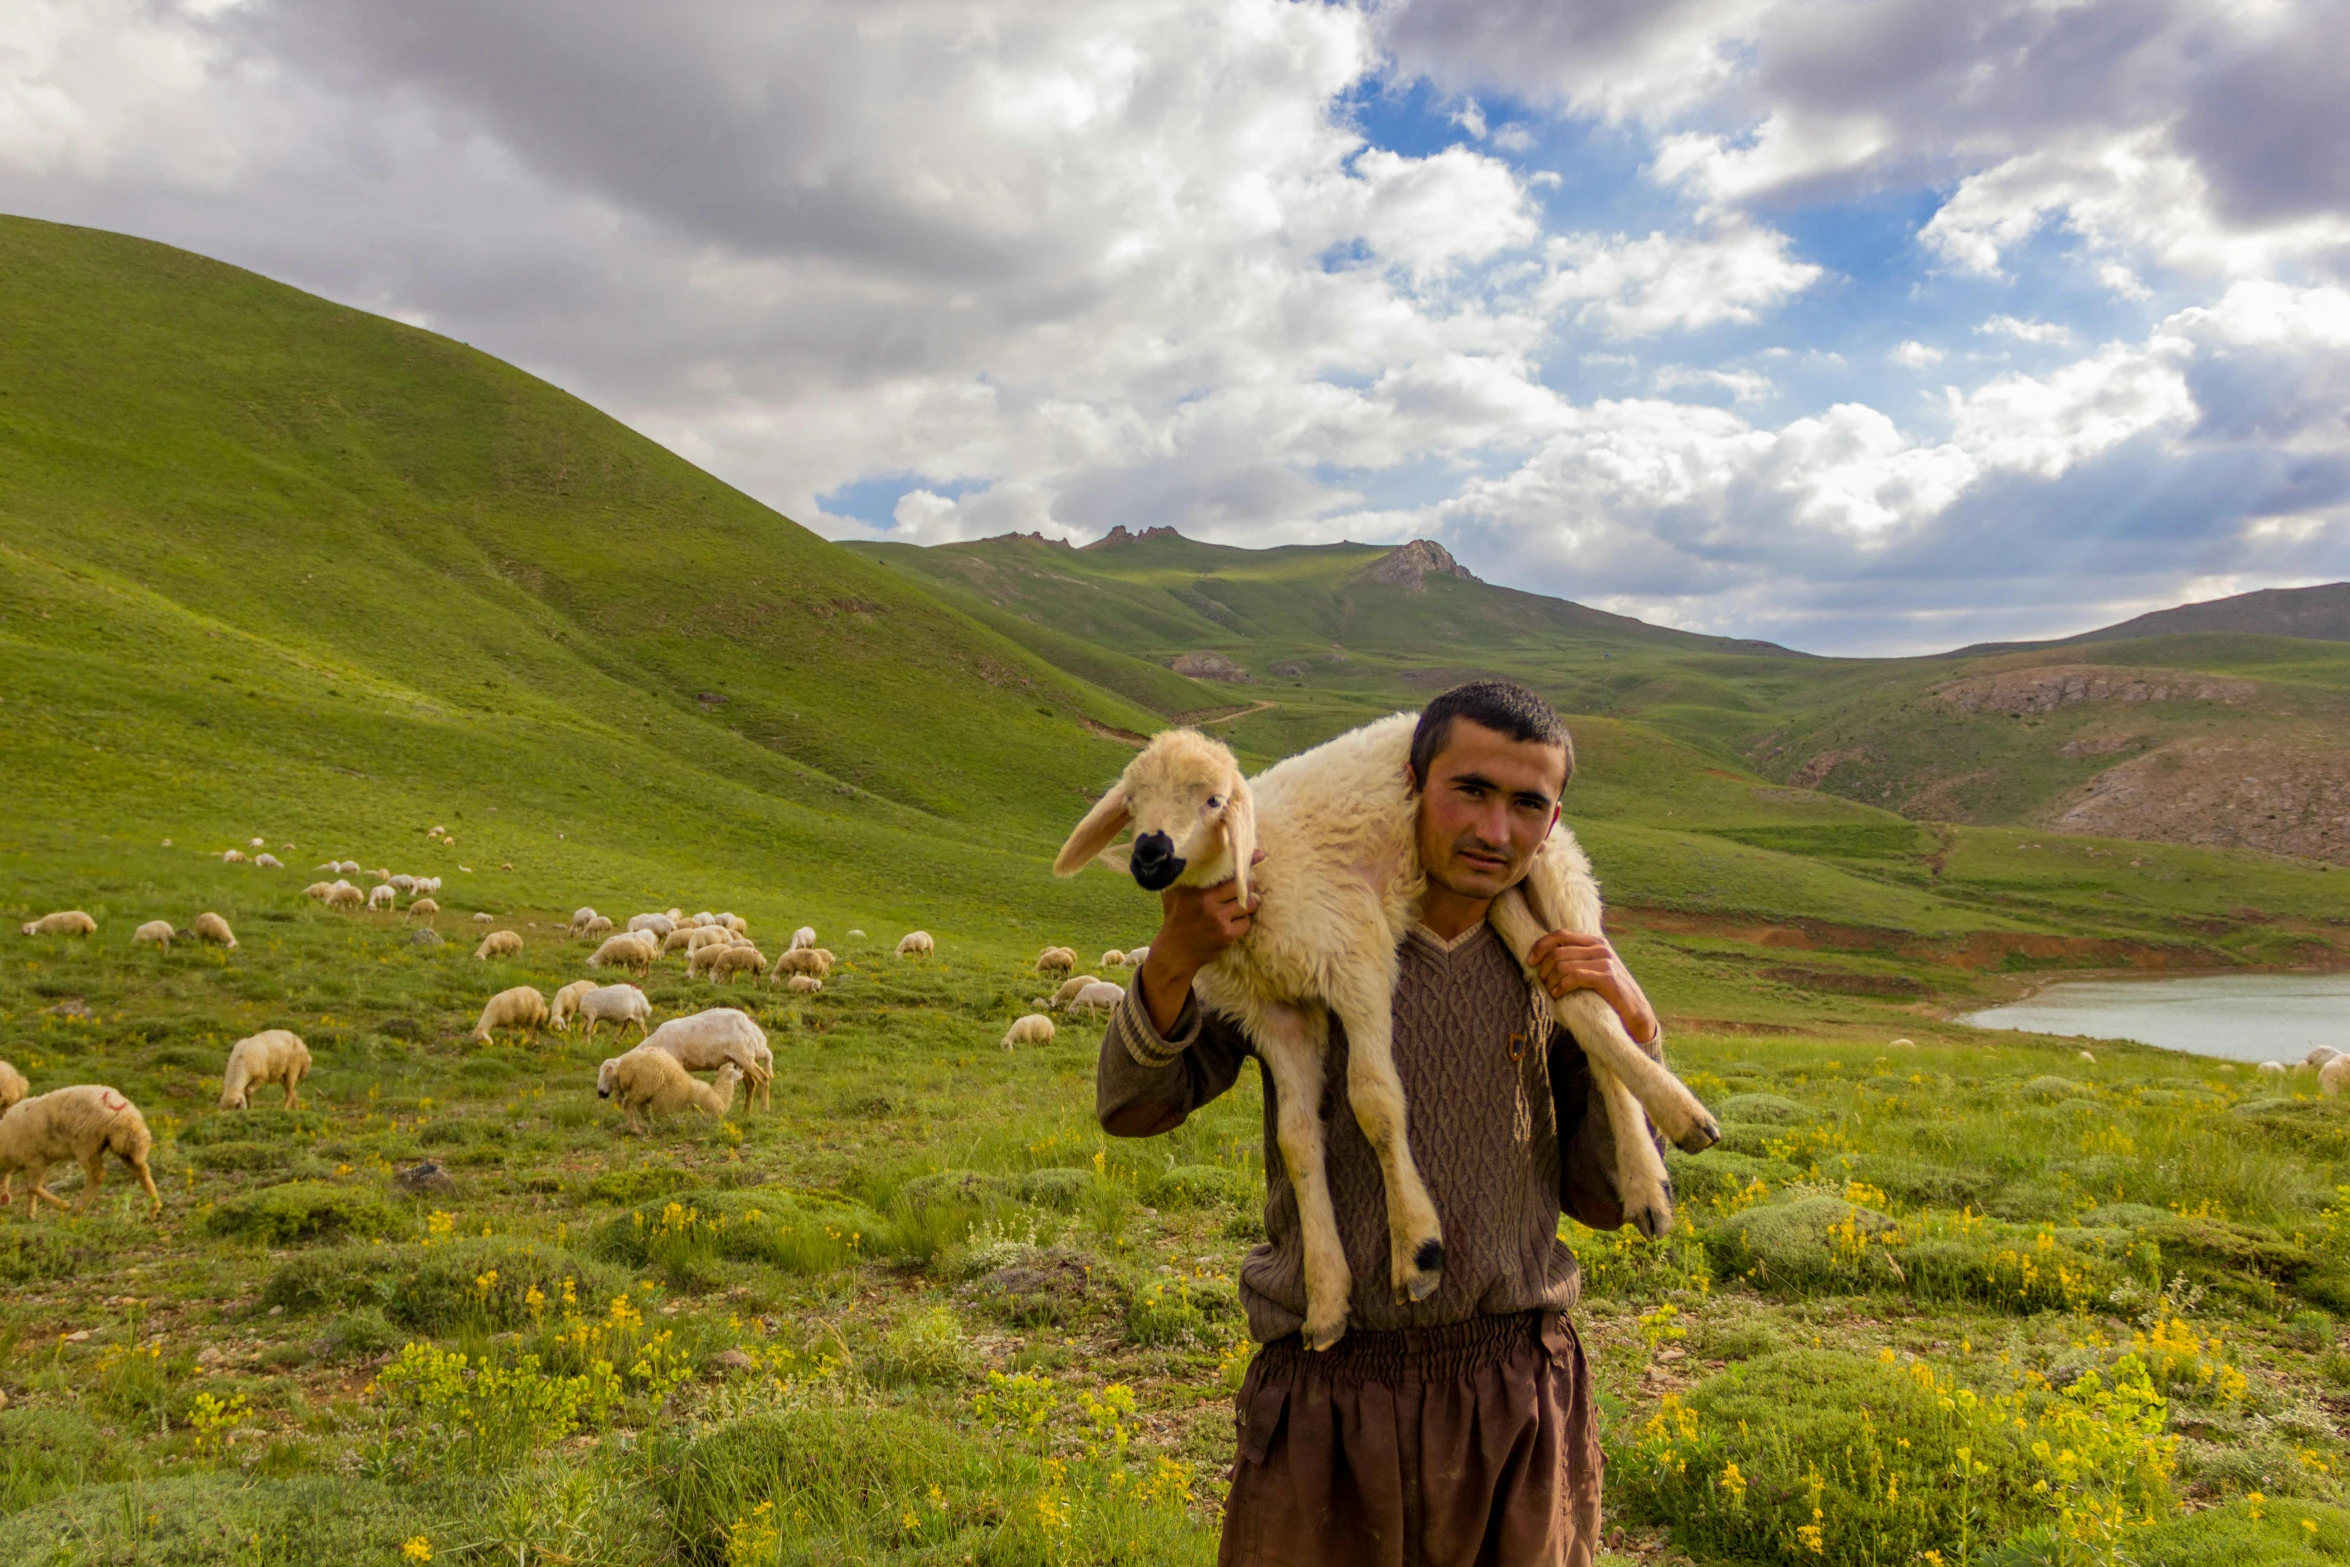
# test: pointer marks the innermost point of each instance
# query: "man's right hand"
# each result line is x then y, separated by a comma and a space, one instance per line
1196, 927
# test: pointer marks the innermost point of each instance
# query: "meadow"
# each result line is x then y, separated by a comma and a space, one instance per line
1956, 1300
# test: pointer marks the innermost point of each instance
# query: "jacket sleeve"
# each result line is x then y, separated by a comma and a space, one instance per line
1587, 1139
1147, 1083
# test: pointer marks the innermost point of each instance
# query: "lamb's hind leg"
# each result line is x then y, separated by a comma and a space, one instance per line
1415, 1236
1644, 1189
1293, 1047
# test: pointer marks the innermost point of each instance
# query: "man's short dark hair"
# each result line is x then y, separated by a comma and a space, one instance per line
1503, 706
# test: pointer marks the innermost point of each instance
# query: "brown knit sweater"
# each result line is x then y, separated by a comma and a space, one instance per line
1483, 1129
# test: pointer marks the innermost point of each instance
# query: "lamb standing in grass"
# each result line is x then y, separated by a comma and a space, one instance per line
703, 1040
652, 1082
1113, 959
565, 1006
423, 908
1034, 1029
1069, 988
66, 922
915, 944
84, 1123
271, 1056
498, 944
1342, 883
382, 897
595, 929
736, 960
155, 933
1099, 996
1056, 960
268, 862
1136, 957
812, 961
580, 917
805, 936
803, 984
522, 1007
13, 1087
345, 896
212, 928
619, 1005
633, 952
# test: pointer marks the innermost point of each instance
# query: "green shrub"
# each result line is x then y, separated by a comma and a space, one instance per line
2273, 1533
634, 1186
1063, 1190
443, 1408
438, 1288
1811, 1245
953, 1188
241, 1156
229, 1517
45, 1451
303, 1211
796, 1233
1180, 1310
1713, 1178
926, 1349
1767, 1110
263, 1125
1623, 1264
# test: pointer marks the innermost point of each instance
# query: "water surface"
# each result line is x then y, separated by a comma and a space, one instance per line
2243, 1017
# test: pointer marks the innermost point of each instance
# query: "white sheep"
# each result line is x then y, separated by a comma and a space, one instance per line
429, 886
83, 1123
2271, 1069
346, 867
1069, 988
565, 1006
155, 933
1056, 960
580, 917
1034, 1029
423, 908
318, 889
653, 1082
212, 928
690, 938
813, 961
1137, 956
271, 1056
632, 951
803, 984
595, 928
2319, 1055
404, 883
857, 935
1340, 883
731, 961
232, 857
65, 922
522, 1007
1113, 959
1100, 996
381, 897
704, 918
13, 1087
257, 843
342, 895
735, 923
619, 1005
805, 936
2334, 1076
703, 1040
269, 862
498, 944
658, 924
915, 944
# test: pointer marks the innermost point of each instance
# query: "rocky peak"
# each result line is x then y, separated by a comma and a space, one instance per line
1410, 566
1119, 534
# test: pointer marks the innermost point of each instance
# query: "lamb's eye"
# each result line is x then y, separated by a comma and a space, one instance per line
1215, 802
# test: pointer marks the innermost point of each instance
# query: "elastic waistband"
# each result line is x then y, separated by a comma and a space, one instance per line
1409, 1354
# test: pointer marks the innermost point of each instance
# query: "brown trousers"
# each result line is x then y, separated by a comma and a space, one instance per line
1471, 1445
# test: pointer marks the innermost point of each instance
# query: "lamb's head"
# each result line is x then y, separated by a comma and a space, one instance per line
1193, 817
604, 1076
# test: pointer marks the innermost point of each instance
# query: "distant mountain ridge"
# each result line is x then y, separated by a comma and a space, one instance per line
2317, 614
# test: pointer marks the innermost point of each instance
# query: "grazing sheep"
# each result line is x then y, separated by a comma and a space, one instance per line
858, 934
257, 843
318, 889
1056, 960
271, 1056
735, 960
269, 862
813, 961
653, 1082
580, 917
2319, 1055
2271, 1069
688, 939
1034, 1029
1069, 988
424, 908
735, 923
211, 927
803, 984
566, 1004
13, 1087
380, 874
2092, 1060
633, 952
2334, 1076
1113, 959
1137, 956
155, 933
381, 897
658, 924
702, 919
1100, 996
619, 1005
594, 928
1340, 880
233, 857
345, 896
346, 867
66, 922
805, 936
695, 938
498, 944
915, 944
1903, 1044
84, 1123
522, 1007
703, 1040
429, 886
404, 883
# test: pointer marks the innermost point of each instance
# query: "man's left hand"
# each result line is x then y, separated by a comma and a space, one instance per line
1569, 962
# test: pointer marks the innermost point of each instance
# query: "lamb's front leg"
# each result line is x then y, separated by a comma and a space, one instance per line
1293, 1048
1415, 1237
1644, 1189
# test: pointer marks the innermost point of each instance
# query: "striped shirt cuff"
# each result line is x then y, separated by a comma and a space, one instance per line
1144, 1044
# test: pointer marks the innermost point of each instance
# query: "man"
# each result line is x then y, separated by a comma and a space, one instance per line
1457, 1430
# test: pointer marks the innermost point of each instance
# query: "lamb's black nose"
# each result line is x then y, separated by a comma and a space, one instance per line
1153, 862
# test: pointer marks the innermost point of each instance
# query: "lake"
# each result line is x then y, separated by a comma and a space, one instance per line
2242, 1017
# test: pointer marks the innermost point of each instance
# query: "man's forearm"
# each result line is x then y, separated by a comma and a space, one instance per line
1165, 986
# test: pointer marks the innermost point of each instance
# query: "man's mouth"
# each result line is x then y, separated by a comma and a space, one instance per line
1484, 861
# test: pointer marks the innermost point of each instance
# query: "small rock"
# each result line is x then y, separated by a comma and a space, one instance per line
71, 1006
4, 1391
732, 1360
425, 938
277, 1311
78, 1336
425, 1177
210, 1356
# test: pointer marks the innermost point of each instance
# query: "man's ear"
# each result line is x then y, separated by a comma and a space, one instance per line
1108, 818
1240, 835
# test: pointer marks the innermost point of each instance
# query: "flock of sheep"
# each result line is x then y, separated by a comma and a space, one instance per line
2331, 1065
88, 1122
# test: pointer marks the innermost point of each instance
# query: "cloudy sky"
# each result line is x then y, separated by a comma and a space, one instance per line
1866, 325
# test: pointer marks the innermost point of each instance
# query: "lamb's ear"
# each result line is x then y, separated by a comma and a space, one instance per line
1240, 836
1108, 818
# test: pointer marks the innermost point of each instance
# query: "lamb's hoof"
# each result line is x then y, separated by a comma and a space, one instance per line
1321, 1337
1699, 1135
1652, 1219
1419, 1281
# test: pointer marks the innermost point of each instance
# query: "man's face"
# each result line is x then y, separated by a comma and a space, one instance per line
1487, 804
